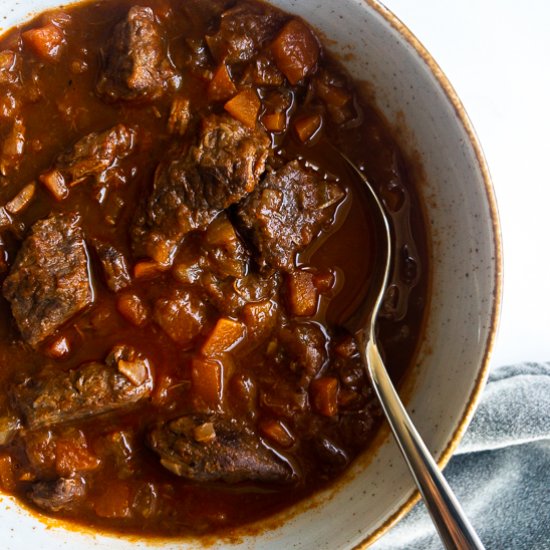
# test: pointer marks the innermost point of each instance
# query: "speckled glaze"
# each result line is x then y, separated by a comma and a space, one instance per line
464, 236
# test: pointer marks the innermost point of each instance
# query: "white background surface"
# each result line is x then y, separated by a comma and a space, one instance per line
496, 53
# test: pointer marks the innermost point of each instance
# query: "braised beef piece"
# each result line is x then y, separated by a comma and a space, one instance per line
286, 211
94, 156
243, 30
115, 266
49, 282
191, 188
59, 494
54, 397
136, 65
215, 448
303, 349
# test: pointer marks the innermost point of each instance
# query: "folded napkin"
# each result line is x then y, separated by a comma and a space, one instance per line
501, 471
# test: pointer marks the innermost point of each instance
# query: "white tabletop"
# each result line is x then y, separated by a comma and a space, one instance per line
496, 54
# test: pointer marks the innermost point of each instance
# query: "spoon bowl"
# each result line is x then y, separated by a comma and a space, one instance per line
447, 515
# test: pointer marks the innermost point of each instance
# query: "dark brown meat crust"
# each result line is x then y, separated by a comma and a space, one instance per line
137, 67
95, 154
55, 397
235, 454
49, 281
192, 188
286, 211
60, 494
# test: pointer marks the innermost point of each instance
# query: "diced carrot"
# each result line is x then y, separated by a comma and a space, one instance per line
307, 126
46, 42
301, 294
148, 270
113, 501
221, 86
244, 107
7, 479
260, 317
73, 455
225, 335
54, 181
133, 309
277, 432
274, 122
332, 95
324, 395
207, 380
58, 348
295, 50
22, 199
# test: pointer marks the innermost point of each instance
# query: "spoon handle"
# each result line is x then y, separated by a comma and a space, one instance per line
454, 528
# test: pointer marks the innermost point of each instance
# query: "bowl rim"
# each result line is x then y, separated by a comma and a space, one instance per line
475, 395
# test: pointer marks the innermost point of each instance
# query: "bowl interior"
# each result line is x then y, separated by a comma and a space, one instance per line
465, 288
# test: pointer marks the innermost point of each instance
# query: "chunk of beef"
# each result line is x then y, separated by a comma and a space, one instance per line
191, 189
57, 495
94, 156
303, 350
55, 397
136, 65
232, 452
243, 30
286, 211
49, 282
115, 267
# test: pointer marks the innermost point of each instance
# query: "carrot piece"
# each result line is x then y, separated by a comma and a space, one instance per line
274, 122
72, 455
244, 107
295, 50
307, 126
114, 501
225, 335
260, 317
54, 181
7, 479
332, 95
207, 380
132, 309
301, 294
46, 42
277, 432
324, 395
221, 86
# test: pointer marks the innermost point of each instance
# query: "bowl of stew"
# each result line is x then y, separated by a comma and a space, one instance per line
181, 247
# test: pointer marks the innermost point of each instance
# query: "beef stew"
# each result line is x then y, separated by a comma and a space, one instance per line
180, 247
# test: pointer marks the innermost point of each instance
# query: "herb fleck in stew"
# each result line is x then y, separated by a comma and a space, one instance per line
180, 246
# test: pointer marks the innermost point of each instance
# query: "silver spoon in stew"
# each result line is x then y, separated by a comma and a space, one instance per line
454, 528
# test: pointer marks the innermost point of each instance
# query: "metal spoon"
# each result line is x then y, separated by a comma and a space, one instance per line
454, 528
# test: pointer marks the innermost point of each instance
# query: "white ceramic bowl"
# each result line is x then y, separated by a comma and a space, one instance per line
432, 127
